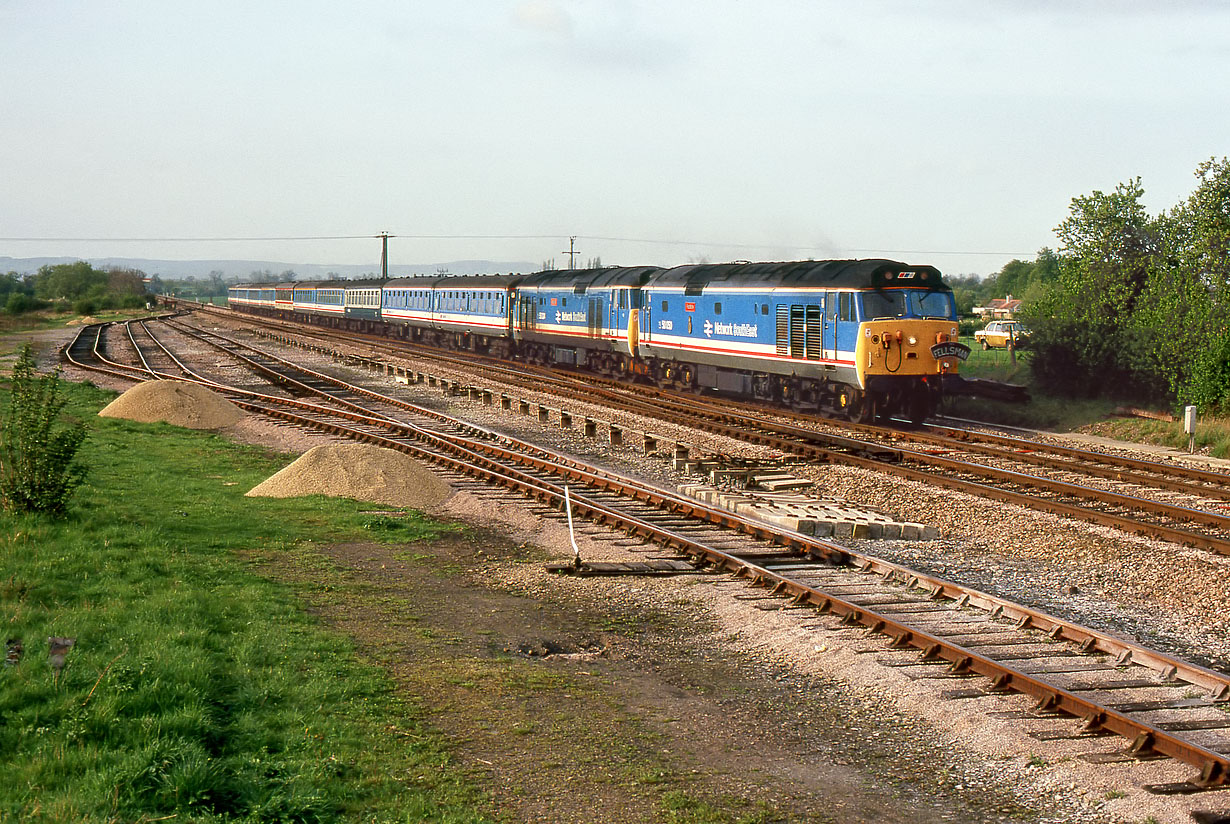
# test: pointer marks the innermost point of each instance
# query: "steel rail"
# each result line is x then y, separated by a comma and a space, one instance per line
1178, 470
796, 440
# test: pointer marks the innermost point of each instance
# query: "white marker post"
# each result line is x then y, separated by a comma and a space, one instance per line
576, 550
1189, 426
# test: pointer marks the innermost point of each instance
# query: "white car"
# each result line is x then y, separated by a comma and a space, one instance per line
1002, 334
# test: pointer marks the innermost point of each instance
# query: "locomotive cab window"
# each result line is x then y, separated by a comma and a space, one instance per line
663, 306
717, 308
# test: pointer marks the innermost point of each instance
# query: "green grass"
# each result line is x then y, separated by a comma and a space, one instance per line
197, 690
1067, 414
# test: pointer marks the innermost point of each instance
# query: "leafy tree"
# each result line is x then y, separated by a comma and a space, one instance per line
1197, 298
68, 281
38, 469
124, 282
1140, 305
1083, 340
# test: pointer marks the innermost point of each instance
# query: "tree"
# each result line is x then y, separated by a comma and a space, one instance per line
1196, 297
1083, 339
122, 282
216, 286
1140, 305
38, 467
68, 281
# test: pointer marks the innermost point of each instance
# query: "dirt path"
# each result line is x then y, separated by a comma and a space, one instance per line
571, 711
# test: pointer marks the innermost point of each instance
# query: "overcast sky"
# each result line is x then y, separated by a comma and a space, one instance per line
954, 133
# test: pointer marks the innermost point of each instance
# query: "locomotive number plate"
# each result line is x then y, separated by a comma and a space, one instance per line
950, 349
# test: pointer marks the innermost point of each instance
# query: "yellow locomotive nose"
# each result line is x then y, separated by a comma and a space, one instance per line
900, 347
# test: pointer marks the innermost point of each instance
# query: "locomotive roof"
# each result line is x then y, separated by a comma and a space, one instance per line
822, 273
456, 281
581, 279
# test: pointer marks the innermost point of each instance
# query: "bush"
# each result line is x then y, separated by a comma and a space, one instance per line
38, 472
1209, 386
85, 306
19, 303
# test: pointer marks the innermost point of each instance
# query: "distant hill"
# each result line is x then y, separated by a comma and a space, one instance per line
243, 269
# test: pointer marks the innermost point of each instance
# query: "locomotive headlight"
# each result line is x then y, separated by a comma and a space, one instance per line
913, 341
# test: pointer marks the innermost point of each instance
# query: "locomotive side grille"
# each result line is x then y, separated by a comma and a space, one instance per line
812, 334
783, 329
796, 331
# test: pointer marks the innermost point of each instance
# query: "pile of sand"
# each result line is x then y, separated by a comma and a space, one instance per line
181, 404
359, 471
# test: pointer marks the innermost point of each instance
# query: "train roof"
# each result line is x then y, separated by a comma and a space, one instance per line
457, 281
803, 273
581, 279
320, 284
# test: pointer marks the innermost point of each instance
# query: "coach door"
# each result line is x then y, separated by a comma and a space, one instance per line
526, 313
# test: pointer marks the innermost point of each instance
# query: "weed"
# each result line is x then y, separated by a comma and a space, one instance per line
38, 467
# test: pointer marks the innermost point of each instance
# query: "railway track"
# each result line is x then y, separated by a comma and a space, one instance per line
1163, 706
1170, 502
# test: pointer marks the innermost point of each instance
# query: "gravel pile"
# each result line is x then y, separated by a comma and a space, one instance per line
359, 471
181, 404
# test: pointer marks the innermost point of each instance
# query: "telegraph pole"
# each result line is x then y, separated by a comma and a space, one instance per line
384, 255
572, 252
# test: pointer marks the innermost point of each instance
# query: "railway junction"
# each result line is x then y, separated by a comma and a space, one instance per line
1139, 619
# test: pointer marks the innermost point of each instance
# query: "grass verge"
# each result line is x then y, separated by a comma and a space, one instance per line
197, 690
1094, 416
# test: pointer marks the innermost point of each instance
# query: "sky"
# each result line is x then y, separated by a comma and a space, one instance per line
948, 132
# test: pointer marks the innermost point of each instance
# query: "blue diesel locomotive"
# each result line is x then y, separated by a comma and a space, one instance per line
858, 338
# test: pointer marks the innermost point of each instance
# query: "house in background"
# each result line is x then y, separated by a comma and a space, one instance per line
999, 308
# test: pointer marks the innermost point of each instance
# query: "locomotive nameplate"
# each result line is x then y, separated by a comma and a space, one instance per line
950, 349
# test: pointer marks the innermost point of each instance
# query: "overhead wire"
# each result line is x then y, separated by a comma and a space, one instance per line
421, 236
